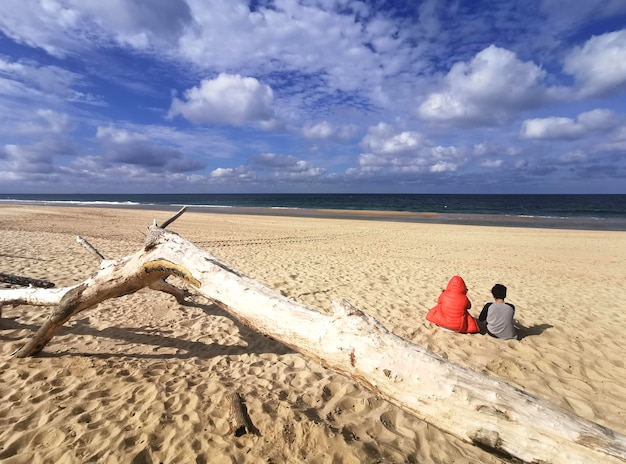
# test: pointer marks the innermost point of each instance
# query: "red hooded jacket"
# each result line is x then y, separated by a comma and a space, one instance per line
451, 310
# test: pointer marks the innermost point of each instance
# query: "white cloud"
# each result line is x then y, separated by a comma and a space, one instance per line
599, 66
271, 167
382, 140
487, 90
491, 163
45, 122
136, 23
313, 67
26, 79
368, 47
40, 24
405, 152
227, 174
326, 130
297, 36
567, 128
57, 122
322, 130
551, 128
227, 99
481, 149
599, 119
492, 149
65, 27
443, 166
120, 136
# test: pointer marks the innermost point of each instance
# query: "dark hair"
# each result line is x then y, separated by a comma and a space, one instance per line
499, 291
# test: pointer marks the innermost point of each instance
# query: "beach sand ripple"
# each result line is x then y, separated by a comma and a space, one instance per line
143, 379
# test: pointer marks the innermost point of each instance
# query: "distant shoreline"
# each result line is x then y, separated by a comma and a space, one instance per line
493, 220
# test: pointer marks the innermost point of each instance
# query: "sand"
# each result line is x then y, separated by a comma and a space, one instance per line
142, 379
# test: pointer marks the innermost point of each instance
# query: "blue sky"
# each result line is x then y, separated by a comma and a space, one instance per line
229, 96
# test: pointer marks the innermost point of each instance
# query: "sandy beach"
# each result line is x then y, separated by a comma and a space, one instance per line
142, 379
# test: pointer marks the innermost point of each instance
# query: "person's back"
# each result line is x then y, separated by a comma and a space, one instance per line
452, 307
499, 316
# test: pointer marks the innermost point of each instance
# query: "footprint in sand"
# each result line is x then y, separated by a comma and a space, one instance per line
505, 368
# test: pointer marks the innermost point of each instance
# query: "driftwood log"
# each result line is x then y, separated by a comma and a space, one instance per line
24, 281
471, 406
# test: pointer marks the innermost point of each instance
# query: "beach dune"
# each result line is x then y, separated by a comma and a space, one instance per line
143, 379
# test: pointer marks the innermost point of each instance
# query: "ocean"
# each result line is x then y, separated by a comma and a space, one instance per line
604, 212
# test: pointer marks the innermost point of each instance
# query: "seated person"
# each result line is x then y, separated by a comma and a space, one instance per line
498, 316
452, 307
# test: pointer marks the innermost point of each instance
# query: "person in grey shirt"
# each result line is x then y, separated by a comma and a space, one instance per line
498, 316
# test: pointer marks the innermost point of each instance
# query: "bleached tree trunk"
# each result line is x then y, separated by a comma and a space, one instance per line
464, 403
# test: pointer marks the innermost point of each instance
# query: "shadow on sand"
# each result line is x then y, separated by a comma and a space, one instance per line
253, 341
522, 331
537, 329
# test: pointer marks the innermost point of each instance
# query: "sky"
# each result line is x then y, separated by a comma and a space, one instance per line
312, 96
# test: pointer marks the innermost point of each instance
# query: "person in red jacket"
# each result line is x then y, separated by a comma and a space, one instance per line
452, 307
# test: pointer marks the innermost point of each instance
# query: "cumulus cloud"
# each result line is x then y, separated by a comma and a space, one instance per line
405, 152
487, 90
599, 66
227, 99
567, 128
240, 173
551, 128
382, 140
